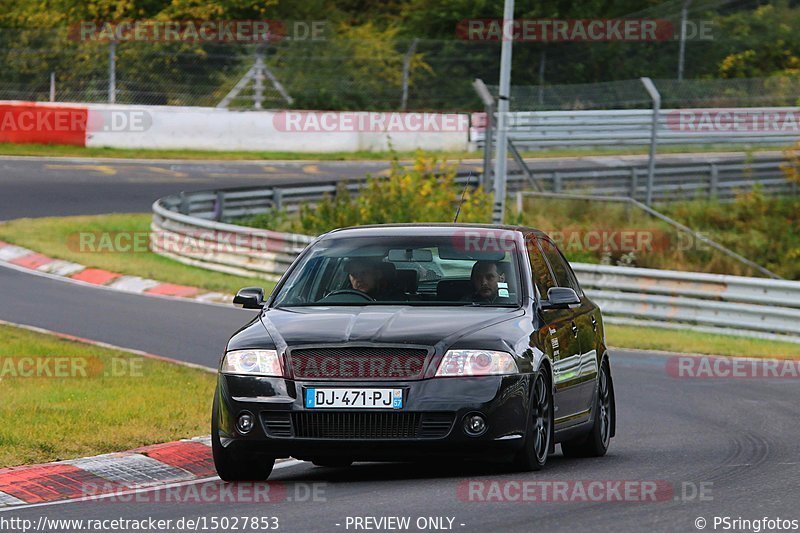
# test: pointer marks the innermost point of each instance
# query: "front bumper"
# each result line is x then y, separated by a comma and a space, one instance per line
431, 422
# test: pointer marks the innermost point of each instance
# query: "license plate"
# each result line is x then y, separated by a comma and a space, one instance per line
354, 398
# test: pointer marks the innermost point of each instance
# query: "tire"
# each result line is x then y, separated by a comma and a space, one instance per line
539, 437
596, 442
332, 462
237, 465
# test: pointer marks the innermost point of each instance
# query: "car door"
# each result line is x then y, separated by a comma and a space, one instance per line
584, 322
560, 340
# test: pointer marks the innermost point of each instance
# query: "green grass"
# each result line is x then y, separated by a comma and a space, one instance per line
687, 341
48, 150
58, 238
99, 410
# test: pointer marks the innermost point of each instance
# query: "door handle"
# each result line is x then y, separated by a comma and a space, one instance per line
594, 323
574, 329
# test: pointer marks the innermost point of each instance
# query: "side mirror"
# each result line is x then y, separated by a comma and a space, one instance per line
249, 298
560, 298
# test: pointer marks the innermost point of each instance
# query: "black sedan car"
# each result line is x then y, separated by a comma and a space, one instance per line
399, 342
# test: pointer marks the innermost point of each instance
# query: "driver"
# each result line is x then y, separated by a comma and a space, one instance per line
369, 276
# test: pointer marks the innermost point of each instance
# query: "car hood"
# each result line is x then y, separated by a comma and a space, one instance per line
380, 324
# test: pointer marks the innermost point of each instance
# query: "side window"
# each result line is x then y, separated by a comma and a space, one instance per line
542, 277
561, 270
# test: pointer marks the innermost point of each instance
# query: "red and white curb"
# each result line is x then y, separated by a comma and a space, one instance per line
22, 258
150, 466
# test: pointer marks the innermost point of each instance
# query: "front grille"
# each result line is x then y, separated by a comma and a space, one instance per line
358, 425
373, 363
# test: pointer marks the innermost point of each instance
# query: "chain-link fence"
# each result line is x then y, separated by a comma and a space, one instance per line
631, 94
338, 73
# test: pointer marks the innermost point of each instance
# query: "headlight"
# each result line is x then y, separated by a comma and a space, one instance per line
252, 362
476, 363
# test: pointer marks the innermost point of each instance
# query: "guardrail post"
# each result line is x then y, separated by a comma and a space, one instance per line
556, 182
634, 182
714, 186
277, 198
183, 207
219, 206
519, 202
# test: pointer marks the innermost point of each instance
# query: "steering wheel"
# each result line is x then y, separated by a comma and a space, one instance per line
352, 292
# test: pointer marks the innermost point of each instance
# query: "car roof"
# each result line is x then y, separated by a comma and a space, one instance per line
424, 228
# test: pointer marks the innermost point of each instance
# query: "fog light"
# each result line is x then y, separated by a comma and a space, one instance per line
245, 423
474, 425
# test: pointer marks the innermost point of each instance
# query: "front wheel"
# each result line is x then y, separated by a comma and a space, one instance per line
237, 465
533, 455
595, 443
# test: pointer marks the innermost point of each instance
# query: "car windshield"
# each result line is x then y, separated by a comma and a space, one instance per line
390, 270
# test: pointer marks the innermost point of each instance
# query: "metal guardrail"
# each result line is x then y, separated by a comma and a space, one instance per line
195, 240
719, 178
535, 130
734, 305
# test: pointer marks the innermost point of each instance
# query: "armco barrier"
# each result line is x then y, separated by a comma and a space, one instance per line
703, 176
535, 130
726, 304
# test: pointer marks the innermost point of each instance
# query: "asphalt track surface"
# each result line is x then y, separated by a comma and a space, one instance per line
736, 440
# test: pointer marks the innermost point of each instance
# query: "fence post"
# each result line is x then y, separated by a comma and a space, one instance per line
406, 68
500, 168
556, 182
52, 86
488, 103
112, 71
713, 189
634, 182
258, 83
651, 167
519, 203
219, 207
